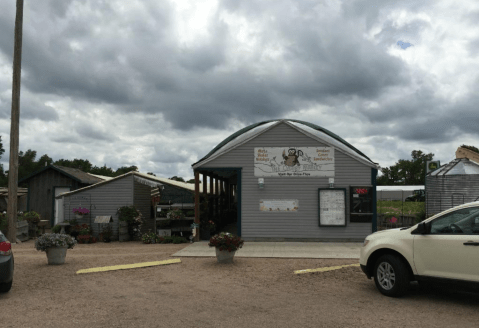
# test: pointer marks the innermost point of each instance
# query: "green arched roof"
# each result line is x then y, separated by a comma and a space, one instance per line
311, 125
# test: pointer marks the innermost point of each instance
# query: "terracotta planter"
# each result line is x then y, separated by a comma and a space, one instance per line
224, 256
56, 255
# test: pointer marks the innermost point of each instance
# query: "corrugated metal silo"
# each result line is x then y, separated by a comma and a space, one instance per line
452, 184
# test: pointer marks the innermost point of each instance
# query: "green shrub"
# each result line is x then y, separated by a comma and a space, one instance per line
398, 208
56, 229
420, 216
178, 240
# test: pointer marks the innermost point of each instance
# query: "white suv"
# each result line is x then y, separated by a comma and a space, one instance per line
443, 248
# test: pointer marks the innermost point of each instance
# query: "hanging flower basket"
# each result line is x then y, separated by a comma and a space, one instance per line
80, 212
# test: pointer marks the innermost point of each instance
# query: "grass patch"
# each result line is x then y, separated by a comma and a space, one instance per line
396, 207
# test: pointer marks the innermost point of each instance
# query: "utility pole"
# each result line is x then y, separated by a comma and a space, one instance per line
14, 128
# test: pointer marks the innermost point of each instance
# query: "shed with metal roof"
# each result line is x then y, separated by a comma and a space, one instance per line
50, 181
288, 179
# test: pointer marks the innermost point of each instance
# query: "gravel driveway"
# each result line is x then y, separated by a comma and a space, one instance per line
198, 292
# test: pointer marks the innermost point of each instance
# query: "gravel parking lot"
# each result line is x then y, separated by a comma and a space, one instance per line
199, 292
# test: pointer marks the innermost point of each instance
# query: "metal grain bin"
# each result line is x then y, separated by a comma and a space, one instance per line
452, 184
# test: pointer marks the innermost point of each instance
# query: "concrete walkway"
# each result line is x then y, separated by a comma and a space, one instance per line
310, 250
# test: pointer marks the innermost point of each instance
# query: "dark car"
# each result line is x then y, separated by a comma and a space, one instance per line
6, 264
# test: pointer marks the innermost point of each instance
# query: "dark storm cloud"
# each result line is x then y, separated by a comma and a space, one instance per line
30, 108
164, 155
89, 132
132, 62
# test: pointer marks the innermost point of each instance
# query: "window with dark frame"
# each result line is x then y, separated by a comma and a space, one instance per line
361, 203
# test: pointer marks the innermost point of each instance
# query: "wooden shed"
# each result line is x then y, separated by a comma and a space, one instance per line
104, 199
289, 179
49, 182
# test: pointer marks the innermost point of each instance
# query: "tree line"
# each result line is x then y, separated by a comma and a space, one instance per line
410, 172
404, 172
28, 164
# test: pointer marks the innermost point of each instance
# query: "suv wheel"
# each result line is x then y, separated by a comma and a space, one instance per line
5, 287
391, 276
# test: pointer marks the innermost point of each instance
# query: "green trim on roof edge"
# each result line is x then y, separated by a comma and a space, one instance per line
311, 125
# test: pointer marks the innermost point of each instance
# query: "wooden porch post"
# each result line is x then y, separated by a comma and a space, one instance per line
197, 204
228, 194
205, 194
217, 193
210, 198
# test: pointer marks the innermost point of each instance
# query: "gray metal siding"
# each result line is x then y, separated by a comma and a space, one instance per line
445, 192
142, 201
304, 223
105, 200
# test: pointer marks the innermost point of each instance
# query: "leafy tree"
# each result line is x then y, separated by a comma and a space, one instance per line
1, 147
26, 163
125, 169
191, 181
3, 176
44, 159
151, 173
105, 171
408, 172
177, 178
80, 164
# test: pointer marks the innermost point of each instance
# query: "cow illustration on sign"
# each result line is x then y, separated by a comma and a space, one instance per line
292, 158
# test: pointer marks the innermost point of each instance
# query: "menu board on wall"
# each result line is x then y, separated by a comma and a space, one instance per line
278, 205
332, 207
294, 162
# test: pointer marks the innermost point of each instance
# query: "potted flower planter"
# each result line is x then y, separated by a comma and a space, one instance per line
224, 256
226, 245
55, 245
56, 255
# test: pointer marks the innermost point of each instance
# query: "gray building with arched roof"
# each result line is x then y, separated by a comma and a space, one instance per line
289, 179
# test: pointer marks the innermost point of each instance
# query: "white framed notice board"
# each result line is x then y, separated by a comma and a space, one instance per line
332, 207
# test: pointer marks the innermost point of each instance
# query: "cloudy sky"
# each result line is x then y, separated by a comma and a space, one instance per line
158, 84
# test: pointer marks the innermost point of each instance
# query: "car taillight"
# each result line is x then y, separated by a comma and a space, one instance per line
5, 248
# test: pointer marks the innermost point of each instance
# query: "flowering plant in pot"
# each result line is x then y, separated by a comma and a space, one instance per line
80, 211
226, 241
226, 245
207, 228
85, 235
32, 217
133, 217
151, 238
55, 245
175, 214
106, 234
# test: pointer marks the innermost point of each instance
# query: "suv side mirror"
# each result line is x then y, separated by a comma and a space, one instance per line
421, 229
